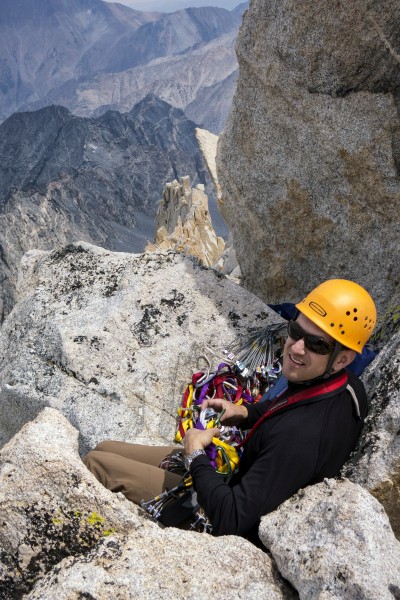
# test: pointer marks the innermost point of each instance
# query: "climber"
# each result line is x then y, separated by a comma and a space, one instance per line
299, 438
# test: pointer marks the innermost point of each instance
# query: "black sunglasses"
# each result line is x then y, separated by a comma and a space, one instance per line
311, 342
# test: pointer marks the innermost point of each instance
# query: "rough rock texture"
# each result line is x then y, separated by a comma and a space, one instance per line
376, 462
65, 178
184, 223
334, 541
208, 143
50, 505
111, 339
55, 517
310, 154
227, 263
164, 564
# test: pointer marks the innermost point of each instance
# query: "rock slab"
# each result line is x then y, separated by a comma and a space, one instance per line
112, 339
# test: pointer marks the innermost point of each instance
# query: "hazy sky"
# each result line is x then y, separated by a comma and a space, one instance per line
171, 5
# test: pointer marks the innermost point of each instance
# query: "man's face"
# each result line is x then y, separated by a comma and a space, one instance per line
299, 363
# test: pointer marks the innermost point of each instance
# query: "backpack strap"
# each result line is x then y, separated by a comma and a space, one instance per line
317, 392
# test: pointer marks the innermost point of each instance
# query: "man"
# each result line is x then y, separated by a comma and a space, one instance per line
303, 436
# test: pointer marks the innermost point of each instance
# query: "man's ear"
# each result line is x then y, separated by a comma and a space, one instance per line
344, 358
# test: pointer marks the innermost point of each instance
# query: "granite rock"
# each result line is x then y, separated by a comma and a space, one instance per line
184, 223
334, 541
375, 464
111, 339
310, 153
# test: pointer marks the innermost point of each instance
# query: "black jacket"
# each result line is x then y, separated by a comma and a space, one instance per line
298, 446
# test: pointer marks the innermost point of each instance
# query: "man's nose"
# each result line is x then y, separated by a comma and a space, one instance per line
299, 347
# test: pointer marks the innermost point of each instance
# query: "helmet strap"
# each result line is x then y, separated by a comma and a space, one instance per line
338, 348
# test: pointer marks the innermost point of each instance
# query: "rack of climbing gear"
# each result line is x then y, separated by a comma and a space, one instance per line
257, 359
248, 369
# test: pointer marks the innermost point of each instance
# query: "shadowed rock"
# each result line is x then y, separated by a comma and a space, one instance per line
310, 154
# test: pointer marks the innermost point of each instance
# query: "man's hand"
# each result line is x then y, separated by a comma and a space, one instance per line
234, 413
197, 439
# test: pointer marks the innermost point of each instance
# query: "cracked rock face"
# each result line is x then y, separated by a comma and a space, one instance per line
112, 339
310, 153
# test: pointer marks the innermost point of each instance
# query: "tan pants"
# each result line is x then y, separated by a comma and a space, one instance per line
131, 469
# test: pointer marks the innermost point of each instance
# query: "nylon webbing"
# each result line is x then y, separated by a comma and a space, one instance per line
320, 391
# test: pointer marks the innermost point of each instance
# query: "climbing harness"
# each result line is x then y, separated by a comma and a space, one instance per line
315, 393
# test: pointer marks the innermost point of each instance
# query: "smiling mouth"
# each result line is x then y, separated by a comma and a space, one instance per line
296, 362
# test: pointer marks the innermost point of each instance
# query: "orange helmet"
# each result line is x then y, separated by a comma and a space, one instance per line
343, 309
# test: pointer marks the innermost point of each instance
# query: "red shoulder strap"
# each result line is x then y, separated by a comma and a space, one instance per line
319, 391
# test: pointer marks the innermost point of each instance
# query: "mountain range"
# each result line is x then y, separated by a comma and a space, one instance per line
91, 56
65, 178
92, 97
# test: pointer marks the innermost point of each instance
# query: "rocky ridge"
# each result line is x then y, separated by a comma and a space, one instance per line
200, 80
102, 345
64, 178
92, 56
184, 223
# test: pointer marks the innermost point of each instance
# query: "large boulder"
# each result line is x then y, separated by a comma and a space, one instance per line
334, 541
309, 161
376, 462
112, 339
56, 518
